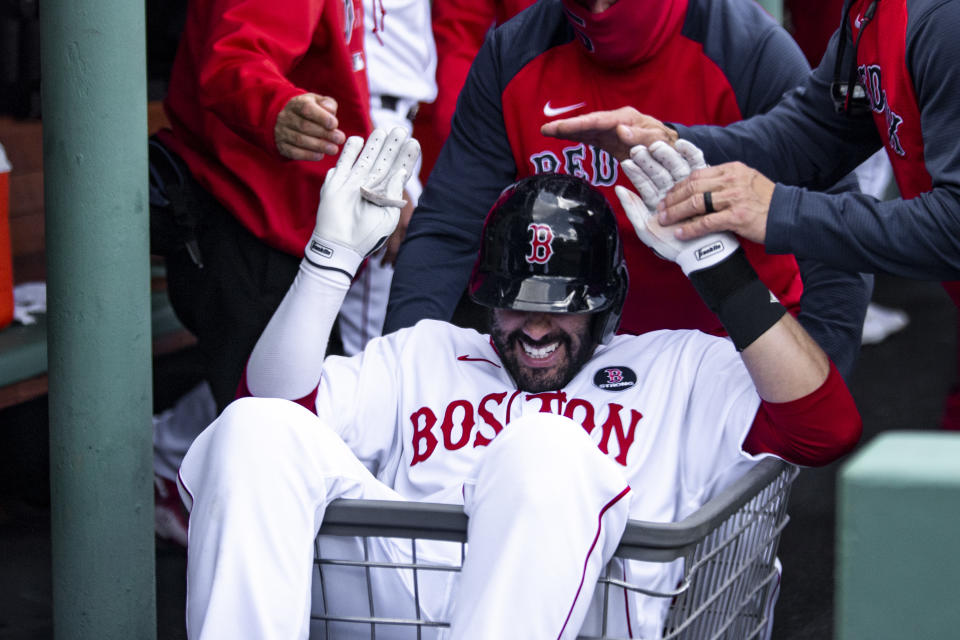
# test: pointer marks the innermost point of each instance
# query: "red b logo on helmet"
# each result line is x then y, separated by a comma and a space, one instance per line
540, 243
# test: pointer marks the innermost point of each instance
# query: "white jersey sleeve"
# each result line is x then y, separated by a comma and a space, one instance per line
722, 407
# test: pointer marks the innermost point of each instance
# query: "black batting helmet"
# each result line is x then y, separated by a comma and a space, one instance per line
550, 243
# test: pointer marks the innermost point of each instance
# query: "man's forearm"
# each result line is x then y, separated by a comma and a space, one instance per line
801, 141
908, 238
785, 363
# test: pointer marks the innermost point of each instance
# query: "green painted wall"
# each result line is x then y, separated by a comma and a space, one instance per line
898, 542
774, 8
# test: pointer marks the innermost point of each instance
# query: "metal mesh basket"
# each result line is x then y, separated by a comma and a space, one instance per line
724, 555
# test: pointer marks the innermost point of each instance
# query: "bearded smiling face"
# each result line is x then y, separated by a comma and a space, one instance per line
542, 351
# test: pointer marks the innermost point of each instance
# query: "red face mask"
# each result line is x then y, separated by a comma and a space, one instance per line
626, 33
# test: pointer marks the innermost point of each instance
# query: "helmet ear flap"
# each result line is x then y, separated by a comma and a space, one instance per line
606, 323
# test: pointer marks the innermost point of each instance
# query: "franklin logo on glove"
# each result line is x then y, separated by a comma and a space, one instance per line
322, 250
705, 252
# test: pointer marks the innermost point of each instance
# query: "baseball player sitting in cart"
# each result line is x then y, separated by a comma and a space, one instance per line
552, 431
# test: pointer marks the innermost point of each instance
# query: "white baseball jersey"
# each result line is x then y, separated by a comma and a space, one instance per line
419, 408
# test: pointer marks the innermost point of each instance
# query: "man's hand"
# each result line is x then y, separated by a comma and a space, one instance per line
653, 172
740, 198
306, 128
361, 199
615, 131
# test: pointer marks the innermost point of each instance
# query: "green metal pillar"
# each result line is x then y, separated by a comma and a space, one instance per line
774, 8
96, 198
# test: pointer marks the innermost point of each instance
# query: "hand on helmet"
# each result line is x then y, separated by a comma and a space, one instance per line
361, 198
653, 172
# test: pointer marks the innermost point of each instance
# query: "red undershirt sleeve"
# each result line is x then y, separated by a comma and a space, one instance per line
813, 430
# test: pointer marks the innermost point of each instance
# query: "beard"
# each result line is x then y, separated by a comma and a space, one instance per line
577, 351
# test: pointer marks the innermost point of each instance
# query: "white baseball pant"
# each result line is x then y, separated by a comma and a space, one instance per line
547, 510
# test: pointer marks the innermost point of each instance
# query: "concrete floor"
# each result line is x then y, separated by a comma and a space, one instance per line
899, 384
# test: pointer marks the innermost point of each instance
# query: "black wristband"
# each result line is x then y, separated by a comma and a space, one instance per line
733, 291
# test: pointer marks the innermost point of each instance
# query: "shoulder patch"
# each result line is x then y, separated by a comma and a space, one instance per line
614, 378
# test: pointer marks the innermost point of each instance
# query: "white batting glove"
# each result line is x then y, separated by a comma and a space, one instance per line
361, 198
653, 172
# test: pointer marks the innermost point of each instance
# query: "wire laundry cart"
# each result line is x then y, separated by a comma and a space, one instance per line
723, 555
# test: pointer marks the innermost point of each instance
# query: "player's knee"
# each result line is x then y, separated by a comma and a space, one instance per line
244, 421
541, 453
543, 435
253, 435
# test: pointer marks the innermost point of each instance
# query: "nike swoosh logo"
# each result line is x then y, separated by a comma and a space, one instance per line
467, 358
550, 112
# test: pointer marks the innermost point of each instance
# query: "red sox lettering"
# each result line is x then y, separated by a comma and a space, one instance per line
594, 165
453, 426
871, 76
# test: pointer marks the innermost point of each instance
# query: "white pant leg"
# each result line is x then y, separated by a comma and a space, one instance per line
547, 510
365, 307
257, 482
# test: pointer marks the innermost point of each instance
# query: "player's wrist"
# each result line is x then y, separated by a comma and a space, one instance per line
327, 254
706, 252
733, 290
